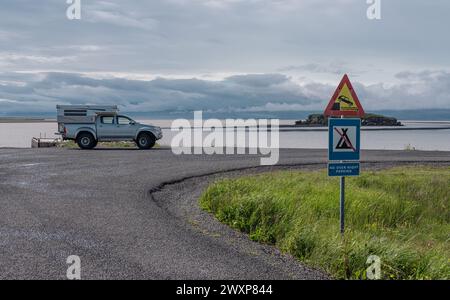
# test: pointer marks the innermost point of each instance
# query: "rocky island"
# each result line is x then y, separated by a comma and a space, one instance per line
315, 120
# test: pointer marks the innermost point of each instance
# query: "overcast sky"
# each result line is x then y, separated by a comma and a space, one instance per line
222, 55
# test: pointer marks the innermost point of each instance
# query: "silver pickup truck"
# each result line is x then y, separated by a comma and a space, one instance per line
88, 125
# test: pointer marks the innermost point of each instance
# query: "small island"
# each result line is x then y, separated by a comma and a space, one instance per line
315, 120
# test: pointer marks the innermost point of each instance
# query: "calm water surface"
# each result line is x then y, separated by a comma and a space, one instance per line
20, 135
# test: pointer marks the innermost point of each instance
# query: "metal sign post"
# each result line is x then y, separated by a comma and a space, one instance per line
342, 205
344, 137
343, 147
342, 201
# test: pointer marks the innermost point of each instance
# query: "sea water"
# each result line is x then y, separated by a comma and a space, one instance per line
419, 135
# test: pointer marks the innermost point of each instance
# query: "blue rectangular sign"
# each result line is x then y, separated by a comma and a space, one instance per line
344, 139
343, 169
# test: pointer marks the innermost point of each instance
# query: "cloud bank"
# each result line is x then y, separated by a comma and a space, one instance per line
40, 92
222, 55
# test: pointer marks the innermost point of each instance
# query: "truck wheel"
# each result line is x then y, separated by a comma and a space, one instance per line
85, 140
145, 140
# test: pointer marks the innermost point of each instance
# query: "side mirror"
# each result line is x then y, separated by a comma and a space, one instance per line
132, 123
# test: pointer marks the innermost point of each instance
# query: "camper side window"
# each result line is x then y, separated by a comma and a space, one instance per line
107, 120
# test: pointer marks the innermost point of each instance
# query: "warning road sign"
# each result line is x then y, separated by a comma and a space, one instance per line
344, 139
344, 102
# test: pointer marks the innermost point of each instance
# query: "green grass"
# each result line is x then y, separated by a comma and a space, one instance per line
401, 215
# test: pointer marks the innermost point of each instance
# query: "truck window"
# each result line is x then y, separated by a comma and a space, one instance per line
123, 120
107, 120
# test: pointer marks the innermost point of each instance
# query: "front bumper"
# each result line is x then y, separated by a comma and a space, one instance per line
157, 131
159, 135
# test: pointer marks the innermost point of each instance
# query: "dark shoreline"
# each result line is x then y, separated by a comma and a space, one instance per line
282, 128
363, 128
27, 120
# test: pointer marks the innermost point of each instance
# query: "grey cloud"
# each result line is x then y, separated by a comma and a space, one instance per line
259, 80
333, 68
416, 90
253, 92
120, 19
199, 36
289, 50
11, 58
426, 75
47, 90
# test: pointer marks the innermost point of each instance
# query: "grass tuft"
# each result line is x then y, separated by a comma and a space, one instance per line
401, 215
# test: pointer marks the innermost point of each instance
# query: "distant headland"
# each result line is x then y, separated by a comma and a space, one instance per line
315, 120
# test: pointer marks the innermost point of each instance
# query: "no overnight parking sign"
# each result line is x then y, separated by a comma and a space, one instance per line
344, 139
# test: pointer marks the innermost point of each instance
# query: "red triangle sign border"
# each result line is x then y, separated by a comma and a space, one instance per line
336, 113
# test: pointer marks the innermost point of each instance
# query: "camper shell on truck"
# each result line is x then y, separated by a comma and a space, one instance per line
90, 124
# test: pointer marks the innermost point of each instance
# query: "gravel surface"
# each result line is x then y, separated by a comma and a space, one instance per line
133, 214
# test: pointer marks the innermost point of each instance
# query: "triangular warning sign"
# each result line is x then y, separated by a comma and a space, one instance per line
344, 102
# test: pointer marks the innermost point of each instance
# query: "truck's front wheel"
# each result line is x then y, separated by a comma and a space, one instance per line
145, 141
86, 140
